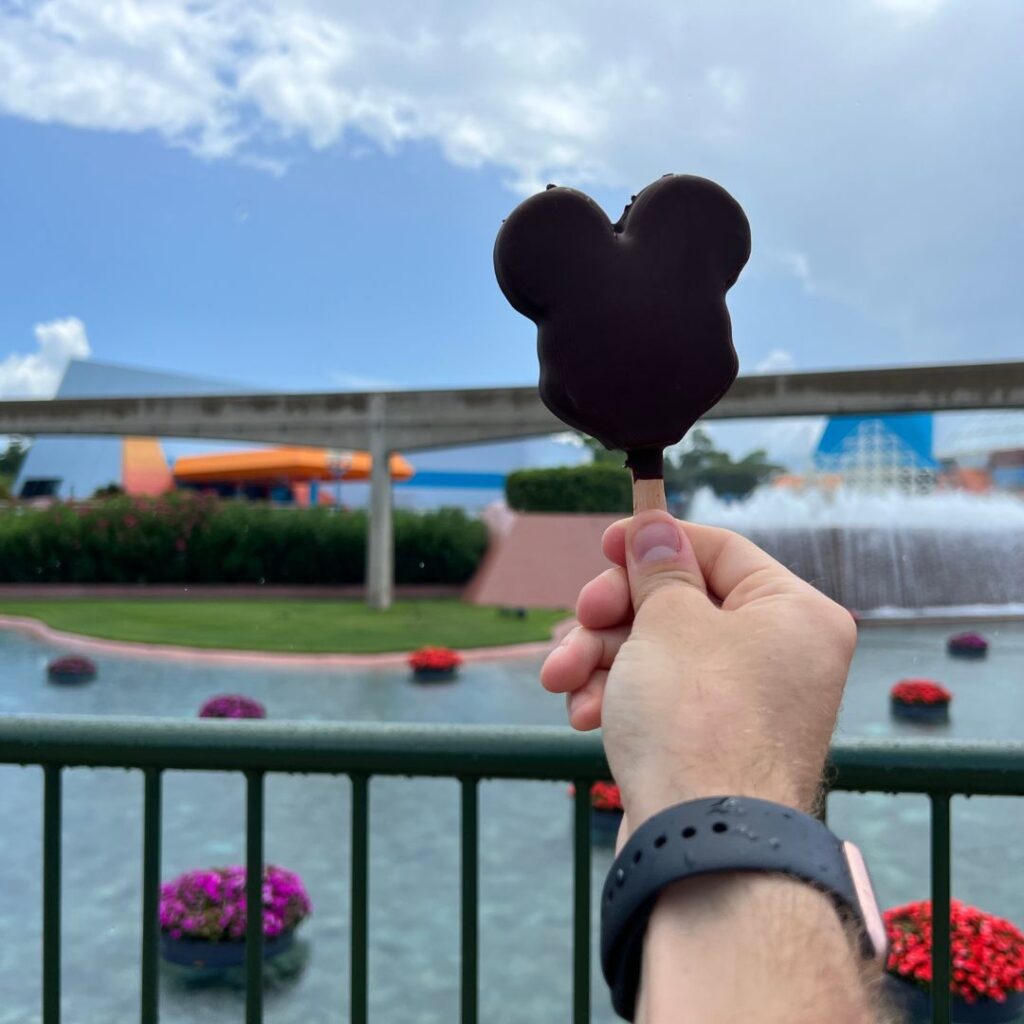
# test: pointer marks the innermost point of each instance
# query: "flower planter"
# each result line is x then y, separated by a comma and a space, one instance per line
434, 675
916, 1003
71, 670
434, 664
924, 713
987, 954
205, 955
604, 825
203, 917
967, 645
232, 705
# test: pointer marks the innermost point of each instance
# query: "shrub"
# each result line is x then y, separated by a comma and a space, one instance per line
591, 488
191, 538
435, 547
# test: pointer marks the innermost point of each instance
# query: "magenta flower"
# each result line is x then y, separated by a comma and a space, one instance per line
210, 904
232, 705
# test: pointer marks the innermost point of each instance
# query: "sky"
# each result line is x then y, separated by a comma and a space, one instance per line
304, 195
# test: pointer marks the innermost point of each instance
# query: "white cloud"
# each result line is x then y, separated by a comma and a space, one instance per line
789, 442
37, 374
855, 132
779, 360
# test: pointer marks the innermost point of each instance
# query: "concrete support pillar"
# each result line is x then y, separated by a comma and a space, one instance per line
380, 547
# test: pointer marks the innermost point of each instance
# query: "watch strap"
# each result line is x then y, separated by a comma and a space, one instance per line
712, 835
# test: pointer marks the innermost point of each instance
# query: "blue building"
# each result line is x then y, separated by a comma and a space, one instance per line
880, 452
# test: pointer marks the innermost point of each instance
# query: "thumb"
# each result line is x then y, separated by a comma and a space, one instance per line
660, 555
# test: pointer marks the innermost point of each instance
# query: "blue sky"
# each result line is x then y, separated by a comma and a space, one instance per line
305, 197
342, 272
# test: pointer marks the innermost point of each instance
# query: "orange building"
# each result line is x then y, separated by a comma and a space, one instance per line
279, 474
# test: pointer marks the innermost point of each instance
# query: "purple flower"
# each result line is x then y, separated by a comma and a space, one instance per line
974, 640
210, 904
232, 705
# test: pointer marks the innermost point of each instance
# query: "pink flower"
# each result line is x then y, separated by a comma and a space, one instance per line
211, 904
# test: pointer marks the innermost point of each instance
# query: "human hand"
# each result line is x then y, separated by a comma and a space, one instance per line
710, 667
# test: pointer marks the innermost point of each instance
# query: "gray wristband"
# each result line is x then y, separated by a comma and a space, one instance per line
713, 835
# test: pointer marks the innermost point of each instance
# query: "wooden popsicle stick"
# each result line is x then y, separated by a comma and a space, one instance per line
649, 495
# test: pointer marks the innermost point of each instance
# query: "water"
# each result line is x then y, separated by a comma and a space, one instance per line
526, 839
868, 550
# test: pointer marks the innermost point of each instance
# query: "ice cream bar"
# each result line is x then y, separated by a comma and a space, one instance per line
633, 334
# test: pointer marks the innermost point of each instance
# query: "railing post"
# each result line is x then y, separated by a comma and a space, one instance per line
254, 897
51, 892
470, 897
941, 895
149, 1003
359, 896
581, 904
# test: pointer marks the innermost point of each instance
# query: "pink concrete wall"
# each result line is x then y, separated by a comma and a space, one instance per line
540, 560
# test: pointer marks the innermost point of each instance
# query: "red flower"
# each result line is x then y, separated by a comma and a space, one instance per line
920, 691
436, 658
987, 951
605, 796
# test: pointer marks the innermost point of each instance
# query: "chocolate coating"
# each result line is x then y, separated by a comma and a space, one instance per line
633, 333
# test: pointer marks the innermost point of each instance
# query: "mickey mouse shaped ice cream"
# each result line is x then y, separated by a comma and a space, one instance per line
633, 333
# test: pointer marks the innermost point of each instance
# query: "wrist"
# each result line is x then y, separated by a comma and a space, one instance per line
646, 797
719, 945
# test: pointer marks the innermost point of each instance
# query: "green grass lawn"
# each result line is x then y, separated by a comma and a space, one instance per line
298, 626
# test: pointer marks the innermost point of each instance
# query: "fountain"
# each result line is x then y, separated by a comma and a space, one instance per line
870, 550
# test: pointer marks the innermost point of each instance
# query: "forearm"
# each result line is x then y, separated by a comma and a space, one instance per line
751, 947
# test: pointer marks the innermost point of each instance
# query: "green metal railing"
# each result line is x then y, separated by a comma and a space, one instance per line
466, 753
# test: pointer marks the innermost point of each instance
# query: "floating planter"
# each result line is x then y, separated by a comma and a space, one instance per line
967, 645
203, 916
71, 670
232, 705
605, 812
434, 664
920, 700
988, 963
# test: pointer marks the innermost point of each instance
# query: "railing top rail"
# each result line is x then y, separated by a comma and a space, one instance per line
507, 752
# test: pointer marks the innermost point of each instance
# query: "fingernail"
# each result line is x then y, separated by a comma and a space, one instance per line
656, 542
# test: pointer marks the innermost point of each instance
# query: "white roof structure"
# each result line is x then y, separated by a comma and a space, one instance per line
80, 465
967, 435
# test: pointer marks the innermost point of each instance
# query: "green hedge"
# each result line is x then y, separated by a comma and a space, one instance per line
188, 538
591, 488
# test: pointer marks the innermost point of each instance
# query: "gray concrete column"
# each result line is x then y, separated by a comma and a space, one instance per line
380, 547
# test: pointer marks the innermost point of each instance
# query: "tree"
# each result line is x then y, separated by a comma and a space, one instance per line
600, 455
111, 490
12, 457
703, 465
